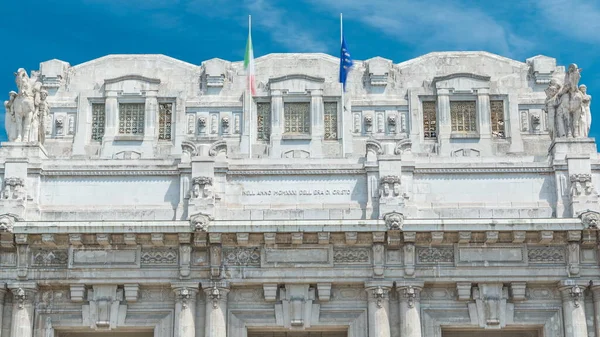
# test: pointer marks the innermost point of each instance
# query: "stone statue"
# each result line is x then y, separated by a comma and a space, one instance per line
566, 107
23, 106
10, 121
586, 112
41, 114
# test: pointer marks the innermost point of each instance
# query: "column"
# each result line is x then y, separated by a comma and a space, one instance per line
484, 113
410, 312
596, 295
150, 115
185, 309
23, 309
317, 123
378, 294
276, 122
573, 309
2, 296
444, 120
216, 309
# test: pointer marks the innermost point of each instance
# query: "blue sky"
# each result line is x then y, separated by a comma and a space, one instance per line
196, 30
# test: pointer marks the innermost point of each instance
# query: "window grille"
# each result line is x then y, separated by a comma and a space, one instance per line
497, 110
429, 120
463, 116
131, 118
263, 121
297, 118
331, 111
98, 121
165, 113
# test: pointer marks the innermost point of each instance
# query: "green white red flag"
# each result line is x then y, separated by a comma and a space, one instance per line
249, 65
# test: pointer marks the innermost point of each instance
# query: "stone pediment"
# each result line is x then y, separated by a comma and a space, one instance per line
462, 82
148, 60
447, 57
296, 83
132, 84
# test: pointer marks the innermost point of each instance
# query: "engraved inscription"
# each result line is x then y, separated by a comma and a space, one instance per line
496, 254
298, 256
104, 258
296, 192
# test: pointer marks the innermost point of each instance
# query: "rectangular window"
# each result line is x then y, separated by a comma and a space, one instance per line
429, 120
131, 118
297, 118
497, 110
165, 113
463, 115
331, 109
263, 121
98, 121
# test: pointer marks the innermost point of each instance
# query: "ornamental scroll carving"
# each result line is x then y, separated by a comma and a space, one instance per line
158, 257
429, 255
581, 184
546, 255
13, 189
351, 255
568, 106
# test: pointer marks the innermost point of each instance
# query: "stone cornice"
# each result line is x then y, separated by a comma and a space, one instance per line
294, 171
441, 170
282, 226
120, 172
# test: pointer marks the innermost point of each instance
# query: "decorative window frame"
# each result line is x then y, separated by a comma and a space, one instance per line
255, 102
544, 316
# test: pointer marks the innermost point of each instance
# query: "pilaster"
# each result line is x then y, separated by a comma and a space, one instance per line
151, 114
444, 118
483, 109
317, 123
596, 297
276, 122
378, 297
216, 308
2, 297
23, 308
409, 295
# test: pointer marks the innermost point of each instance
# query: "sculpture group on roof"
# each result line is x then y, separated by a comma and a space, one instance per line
568, 106
26, 110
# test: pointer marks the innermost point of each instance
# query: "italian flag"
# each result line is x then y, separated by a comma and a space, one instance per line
249, 65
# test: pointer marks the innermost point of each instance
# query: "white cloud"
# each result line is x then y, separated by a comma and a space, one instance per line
433, 24
282, 28
575, 19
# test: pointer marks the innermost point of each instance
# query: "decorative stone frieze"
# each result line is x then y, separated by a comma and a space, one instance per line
546, 254
241, 256
350, 255
435, 255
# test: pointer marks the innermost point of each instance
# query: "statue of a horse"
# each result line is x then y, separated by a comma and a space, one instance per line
570, 106
23, 106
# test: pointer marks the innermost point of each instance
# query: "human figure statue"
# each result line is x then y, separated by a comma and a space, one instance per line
23, 106
565, 109
586, 112
557, 125
28, 108
10, 120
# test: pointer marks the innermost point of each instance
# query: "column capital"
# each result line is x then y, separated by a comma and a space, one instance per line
571, 290
216, 292
23, 293
185, 292
409, 292
378, 292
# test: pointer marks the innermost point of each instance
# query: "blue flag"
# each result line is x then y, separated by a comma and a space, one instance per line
345, 63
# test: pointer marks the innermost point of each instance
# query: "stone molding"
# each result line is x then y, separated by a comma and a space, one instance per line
108, 172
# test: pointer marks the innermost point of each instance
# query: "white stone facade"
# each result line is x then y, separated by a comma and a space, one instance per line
450, 195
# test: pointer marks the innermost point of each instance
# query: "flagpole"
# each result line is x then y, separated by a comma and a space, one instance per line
342, 89
249, 96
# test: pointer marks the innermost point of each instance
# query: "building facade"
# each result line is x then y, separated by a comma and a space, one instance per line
450, 195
